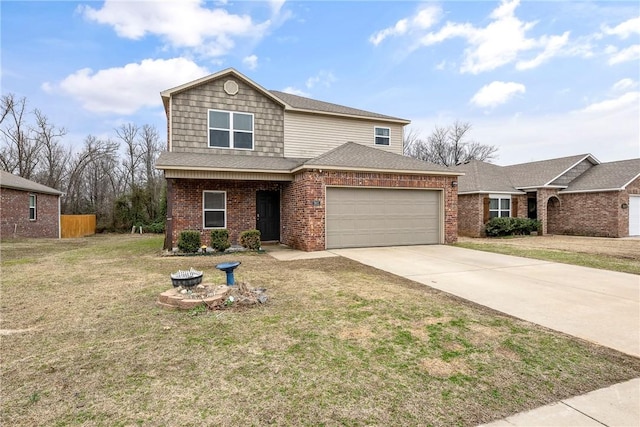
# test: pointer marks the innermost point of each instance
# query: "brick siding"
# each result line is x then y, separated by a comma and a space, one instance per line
302, 221
15, 215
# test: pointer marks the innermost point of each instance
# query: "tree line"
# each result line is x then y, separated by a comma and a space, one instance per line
114, 177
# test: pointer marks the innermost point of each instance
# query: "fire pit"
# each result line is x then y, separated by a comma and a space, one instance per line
186, 278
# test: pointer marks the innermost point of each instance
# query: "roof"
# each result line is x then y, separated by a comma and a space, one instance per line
288, 101
483, 177
9, 180
606, 176
543, 172
349, 157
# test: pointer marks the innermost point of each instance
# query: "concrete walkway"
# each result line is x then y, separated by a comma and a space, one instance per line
599, 306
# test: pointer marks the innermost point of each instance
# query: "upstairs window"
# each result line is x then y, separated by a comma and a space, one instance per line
383, 135
229, 129
32, 207
499, 206
214, 207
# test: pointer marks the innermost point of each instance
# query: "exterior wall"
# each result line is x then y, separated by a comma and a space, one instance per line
14, 219
189, 119
186, 206
470, 215
309, 135
304, 221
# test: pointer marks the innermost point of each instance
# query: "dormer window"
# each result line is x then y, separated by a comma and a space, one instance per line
230, 129
382, 135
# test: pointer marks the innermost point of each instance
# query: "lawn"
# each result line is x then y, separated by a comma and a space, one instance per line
338, 343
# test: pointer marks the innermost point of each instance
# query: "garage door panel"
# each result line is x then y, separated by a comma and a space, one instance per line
634, 215
360, 217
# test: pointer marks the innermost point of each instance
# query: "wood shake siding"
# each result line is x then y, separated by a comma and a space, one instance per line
310, 135
189, 126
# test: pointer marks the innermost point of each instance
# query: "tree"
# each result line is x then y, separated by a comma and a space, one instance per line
20, 149
448, 146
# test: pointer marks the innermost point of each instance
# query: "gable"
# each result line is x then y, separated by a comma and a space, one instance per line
573, 173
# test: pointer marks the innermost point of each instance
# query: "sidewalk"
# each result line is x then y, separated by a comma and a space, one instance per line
617, 405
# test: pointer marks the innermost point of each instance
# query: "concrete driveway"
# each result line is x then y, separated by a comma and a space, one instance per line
597, 305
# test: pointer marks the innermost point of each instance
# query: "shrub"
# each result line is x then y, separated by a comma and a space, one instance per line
189, 241
497, 227
250, 239
220, 240
155, 227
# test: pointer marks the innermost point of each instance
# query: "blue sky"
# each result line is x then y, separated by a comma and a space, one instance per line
537, 79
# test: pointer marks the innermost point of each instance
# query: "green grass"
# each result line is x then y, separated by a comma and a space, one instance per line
338, 343
603, 262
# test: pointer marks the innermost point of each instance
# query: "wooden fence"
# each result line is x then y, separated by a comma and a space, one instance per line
77, 225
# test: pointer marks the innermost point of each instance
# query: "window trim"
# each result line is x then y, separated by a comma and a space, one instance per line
224, 210
231, 130
33, 208
500, 210
376, 136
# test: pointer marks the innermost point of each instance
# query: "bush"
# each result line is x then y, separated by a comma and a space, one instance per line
155, 227
220, 240
250, 239
189, 241
497, 227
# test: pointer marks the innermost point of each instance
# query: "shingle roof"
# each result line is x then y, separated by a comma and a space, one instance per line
606, 176
348, 156
172, 160
357, 156
543, 172
302, 103
9, 180
482, 177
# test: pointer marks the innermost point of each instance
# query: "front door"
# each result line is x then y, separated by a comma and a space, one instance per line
268, 215
532, 208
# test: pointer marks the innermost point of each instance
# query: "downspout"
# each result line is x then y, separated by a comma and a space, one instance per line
168, 228
59, 219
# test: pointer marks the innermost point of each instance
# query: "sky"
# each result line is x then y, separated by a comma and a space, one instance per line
537, 79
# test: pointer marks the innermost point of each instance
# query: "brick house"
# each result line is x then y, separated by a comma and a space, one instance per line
575, 195
309, 174
28, 209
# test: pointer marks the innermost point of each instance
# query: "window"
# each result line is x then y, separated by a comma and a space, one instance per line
32, 207
383, 135
214, 204
499, 206
230, 130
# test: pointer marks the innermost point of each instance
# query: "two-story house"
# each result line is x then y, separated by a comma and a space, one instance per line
309, 174
568, 195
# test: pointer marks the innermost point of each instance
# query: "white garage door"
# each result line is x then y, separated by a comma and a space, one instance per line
363, 217
634, 215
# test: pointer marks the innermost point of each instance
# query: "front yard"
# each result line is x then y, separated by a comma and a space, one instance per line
338, 343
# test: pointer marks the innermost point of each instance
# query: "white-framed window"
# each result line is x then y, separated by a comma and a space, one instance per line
32, 207
499, 206
382, 135
230, 129
214, 209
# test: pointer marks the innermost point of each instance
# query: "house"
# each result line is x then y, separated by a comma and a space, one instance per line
310, 174
28, 209
570, 195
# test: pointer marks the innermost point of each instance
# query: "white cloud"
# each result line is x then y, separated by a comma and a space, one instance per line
184, 24
626, 100
496, 93
502, 41
631, 53
624, 84
625, 29
251, 62
127, 89
424, 18
293, 91
323, 78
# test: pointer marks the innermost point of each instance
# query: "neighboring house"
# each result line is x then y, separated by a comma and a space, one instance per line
571, 195
310, 174
28, 209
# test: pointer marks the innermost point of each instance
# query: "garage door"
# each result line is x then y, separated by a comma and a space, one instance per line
634, 215
362, 217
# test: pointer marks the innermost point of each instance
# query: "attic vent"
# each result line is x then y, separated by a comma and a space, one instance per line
231, 87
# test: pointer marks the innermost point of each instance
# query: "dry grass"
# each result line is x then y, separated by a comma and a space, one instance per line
337, 344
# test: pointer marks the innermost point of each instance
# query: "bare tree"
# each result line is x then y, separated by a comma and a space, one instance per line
128, 134
54, 157
448, 146
20, 149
